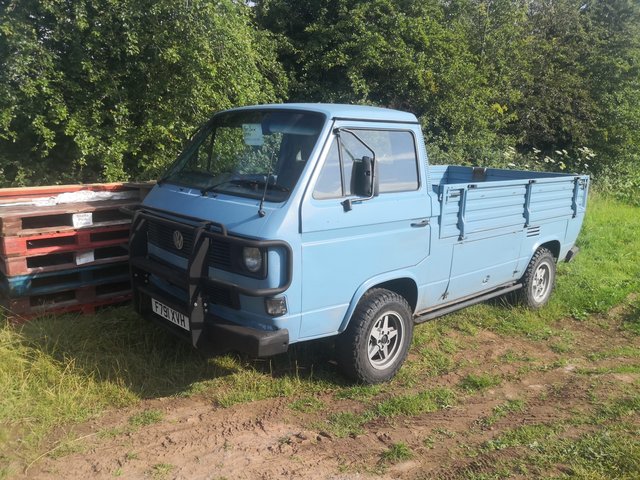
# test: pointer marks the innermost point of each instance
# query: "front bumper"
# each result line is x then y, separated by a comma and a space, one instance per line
207, 331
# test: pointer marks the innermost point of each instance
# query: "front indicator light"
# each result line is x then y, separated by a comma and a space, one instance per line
276, 306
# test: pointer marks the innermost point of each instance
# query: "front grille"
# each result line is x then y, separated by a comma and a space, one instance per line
220, 295
162, 236
220, 255
220, 252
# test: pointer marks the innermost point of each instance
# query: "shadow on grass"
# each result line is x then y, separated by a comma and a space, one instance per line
119, 347
631, 319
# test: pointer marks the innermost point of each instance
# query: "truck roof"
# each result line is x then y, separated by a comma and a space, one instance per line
344, 111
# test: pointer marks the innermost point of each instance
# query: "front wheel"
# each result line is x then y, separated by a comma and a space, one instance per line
539, 279
376, 342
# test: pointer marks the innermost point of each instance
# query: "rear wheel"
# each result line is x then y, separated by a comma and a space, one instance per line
539, 279
376, 342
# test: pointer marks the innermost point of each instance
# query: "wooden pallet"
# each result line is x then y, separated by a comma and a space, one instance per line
79, 239
68, 300
56, 262
29, 194
85, 309
29, 220
52, 282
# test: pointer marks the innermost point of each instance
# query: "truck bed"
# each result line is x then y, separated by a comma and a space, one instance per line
475, 201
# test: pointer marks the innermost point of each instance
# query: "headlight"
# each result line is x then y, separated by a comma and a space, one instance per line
252, 258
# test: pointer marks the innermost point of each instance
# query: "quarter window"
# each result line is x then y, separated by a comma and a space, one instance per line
329, 184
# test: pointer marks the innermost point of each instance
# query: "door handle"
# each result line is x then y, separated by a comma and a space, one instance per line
422, 223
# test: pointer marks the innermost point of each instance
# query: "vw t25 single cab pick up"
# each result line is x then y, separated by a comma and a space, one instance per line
285, 223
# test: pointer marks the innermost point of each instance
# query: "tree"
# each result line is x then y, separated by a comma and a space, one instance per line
108, 90
409, 54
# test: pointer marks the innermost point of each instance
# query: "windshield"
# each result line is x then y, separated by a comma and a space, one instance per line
249, 153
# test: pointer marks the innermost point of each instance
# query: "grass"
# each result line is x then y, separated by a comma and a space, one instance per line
397, 452
59, 371
345, 424
620, 407
618, 352
160, 471
600, 443
146, 417
415, 404
632, 319
361, 393
610, 452
43, 389
307, 405
475, 383
529, 436
634, 369
249, 385
501, 411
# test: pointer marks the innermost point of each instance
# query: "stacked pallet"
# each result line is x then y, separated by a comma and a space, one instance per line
64, 248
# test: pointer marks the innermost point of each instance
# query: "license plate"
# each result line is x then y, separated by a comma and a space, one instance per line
170, 314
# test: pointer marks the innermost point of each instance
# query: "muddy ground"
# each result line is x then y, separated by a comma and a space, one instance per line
268, 439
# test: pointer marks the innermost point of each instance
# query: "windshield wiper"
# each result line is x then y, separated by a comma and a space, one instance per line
246, 182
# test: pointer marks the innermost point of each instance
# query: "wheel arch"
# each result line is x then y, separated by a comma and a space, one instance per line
404, 284
554, 246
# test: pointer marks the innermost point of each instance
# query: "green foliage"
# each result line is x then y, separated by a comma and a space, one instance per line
110, 90
408, 55
554, 76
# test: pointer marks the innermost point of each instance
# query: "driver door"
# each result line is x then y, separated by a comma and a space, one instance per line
344, 248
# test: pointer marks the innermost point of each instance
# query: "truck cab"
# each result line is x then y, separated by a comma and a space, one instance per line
285, 223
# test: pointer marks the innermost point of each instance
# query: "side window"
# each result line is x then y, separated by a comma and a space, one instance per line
396, 162
395, 159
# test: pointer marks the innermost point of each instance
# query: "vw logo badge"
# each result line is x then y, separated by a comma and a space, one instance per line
178, 240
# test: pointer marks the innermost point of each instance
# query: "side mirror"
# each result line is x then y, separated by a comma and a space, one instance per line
364, 182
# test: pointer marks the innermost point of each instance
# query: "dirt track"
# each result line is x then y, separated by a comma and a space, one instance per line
269, 440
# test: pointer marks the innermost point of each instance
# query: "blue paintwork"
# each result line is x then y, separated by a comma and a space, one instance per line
481, 233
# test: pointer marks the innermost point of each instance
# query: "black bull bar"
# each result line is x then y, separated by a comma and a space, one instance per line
195, 280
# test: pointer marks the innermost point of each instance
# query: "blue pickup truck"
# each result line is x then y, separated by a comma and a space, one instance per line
285, 223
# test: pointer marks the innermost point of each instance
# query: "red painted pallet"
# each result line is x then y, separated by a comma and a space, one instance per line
26, 194
75, 299
85, 309
25, 220
53, 262
88, 238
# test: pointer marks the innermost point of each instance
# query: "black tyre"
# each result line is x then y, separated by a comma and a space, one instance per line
376, 342
538, 280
